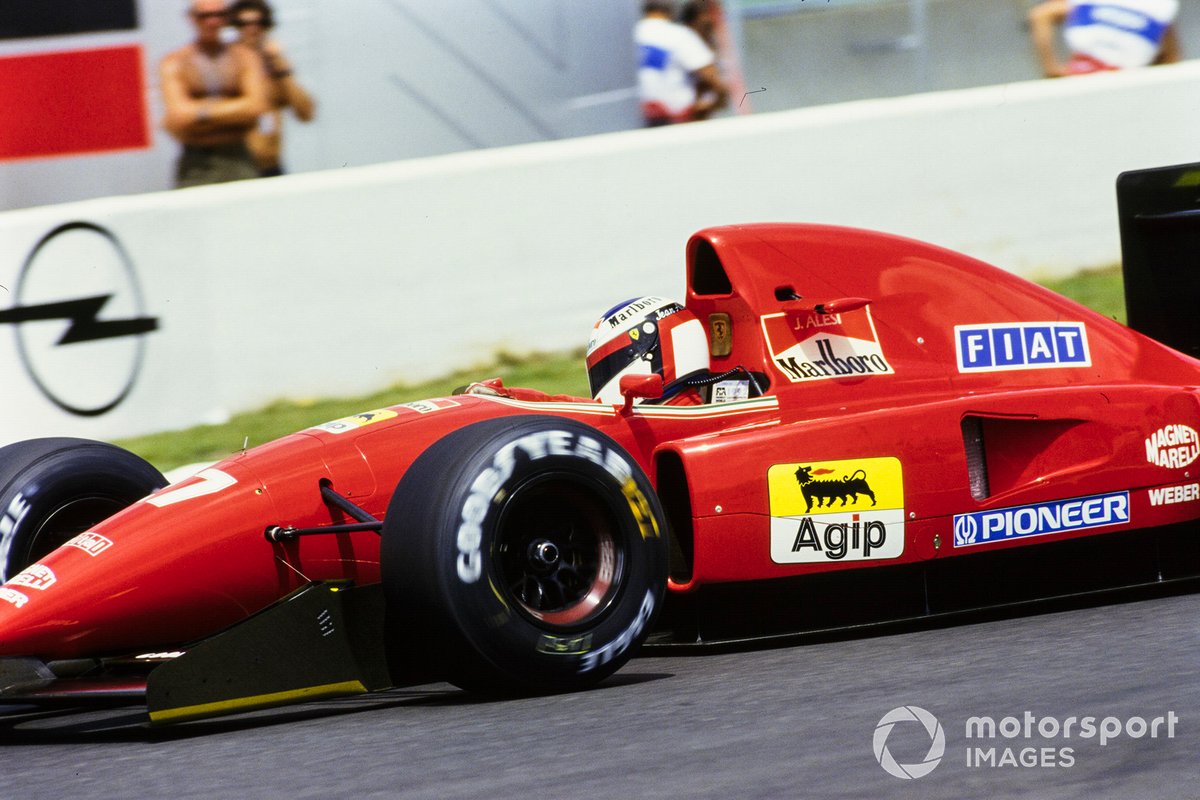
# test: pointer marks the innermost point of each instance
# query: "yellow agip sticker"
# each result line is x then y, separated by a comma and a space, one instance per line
357, 421
824, 511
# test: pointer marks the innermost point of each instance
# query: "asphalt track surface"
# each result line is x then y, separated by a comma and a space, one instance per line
785, 722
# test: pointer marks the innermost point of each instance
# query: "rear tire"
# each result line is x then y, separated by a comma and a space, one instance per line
54, 489
523, 555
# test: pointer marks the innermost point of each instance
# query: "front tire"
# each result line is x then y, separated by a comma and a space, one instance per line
525, 554
54, 489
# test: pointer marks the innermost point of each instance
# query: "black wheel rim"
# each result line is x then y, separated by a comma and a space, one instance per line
68, 521
559, 555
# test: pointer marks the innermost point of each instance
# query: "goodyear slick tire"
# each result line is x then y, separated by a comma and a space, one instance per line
53, 489
523, 555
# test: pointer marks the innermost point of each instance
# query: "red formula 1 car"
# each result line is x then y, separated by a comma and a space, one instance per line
840, 427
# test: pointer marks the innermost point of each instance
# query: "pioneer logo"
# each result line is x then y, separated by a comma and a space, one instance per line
79, 319
1040, 519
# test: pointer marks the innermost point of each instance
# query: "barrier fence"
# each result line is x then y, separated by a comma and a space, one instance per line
134, 314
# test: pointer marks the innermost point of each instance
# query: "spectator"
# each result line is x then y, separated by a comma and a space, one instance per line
214, 93
701, 16
1107, 35
253, 19
677, 72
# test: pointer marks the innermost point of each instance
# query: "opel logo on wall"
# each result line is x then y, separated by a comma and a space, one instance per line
80, 319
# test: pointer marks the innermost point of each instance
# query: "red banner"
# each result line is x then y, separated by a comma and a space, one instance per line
73, 102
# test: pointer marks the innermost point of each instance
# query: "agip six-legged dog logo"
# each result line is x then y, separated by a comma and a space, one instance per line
850, 486
836, 511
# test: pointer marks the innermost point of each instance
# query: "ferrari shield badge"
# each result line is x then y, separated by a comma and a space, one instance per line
720, 335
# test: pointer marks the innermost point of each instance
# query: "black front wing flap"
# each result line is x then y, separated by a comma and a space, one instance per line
323, 640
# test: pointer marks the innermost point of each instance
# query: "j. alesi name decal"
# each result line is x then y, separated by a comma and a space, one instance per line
1173, 446
1021, 345
808, 346
1041, 519
827, 511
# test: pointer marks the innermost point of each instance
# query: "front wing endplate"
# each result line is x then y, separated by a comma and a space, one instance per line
322, 641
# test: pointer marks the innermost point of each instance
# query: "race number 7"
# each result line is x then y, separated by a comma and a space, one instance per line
203, 483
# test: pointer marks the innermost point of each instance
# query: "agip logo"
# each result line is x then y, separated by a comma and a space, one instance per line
79, 319
823, 511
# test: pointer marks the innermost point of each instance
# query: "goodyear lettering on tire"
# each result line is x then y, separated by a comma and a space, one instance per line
488, 488
10, 520
640, 507
564, 645
602, 655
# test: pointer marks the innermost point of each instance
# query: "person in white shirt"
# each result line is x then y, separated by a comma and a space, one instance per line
1104, 34
678, 80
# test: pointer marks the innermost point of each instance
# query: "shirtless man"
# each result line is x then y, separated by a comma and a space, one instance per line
214, 93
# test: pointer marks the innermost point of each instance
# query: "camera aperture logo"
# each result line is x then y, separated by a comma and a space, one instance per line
937, 742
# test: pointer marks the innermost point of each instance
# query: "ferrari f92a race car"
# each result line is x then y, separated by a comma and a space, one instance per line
838, 427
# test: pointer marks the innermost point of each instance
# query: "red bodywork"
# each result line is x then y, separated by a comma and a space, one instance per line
872, 395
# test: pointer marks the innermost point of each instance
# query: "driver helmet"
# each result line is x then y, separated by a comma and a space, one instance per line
643, 336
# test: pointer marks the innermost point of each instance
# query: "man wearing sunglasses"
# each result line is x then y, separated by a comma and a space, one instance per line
254, 20
214, 94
